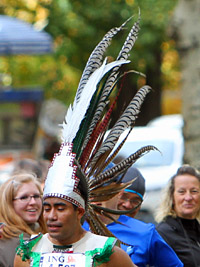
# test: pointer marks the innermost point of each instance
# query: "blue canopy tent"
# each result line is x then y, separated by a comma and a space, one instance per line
18, 37
19, 108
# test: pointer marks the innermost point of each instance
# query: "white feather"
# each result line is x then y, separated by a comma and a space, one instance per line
76, 114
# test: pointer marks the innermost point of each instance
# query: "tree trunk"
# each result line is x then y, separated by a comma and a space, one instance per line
151, 108
186, 31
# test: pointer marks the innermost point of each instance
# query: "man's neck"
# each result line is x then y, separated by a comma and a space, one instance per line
68, 241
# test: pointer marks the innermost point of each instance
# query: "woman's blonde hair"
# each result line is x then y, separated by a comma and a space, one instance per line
14, 224
166, 207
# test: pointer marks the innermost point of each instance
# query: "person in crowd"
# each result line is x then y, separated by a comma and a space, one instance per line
38, 167
27, 165
21, 212
133, 195
140, 240
64, 205
179, 213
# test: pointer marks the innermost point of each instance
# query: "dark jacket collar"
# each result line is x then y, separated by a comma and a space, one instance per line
175, 223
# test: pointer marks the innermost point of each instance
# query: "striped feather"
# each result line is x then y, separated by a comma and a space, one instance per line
74, 117
119, 168
95, 59
108, 191
96, 224
127, 119
99, 209
98, 131
130, 41
86, 124
113, 155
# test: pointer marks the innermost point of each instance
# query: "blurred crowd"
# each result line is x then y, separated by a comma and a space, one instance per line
173, 241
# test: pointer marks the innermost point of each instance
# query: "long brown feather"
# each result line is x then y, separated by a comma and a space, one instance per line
127, 119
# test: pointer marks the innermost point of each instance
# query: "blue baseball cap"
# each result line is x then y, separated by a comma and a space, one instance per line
138, 185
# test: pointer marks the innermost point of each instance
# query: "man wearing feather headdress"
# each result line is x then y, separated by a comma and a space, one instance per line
69, 185
67, 243
75, 179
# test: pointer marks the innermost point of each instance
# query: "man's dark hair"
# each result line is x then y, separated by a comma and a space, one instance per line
83, 185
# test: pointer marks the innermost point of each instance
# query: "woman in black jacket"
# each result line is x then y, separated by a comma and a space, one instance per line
179, 213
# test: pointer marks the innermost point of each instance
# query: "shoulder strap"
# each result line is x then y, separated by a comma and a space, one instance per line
25, 247
101, 255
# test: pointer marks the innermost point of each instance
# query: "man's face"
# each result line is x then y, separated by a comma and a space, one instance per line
63, 221
109, 204
127, 201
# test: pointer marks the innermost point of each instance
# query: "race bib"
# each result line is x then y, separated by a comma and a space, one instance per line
62, 260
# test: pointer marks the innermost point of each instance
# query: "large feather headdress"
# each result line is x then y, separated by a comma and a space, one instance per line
87, 145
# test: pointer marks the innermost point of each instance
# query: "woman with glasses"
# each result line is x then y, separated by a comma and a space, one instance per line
21, 212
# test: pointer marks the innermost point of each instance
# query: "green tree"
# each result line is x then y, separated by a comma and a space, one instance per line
77, 26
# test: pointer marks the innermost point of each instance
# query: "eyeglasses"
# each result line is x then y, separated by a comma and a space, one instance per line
133, 202
26, 199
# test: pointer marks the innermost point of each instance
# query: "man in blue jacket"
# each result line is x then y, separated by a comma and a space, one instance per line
143, 243
133, 195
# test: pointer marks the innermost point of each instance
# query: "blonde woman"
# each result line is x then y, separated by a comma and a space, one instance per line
21, 212
179, 213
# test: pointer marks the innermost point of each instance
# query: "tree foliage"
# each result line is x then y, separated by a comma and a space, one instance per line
76, 27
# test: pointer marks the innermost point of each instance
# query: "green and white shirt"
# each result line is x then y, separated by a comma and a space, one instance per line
90, 250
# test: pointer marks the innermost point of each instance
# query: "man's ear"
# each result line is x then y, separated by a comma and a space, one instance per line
81, 212
120, 194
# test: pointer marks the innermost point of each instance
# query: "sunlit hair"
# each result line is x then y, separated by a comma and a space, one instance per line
166, 206
14, 224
